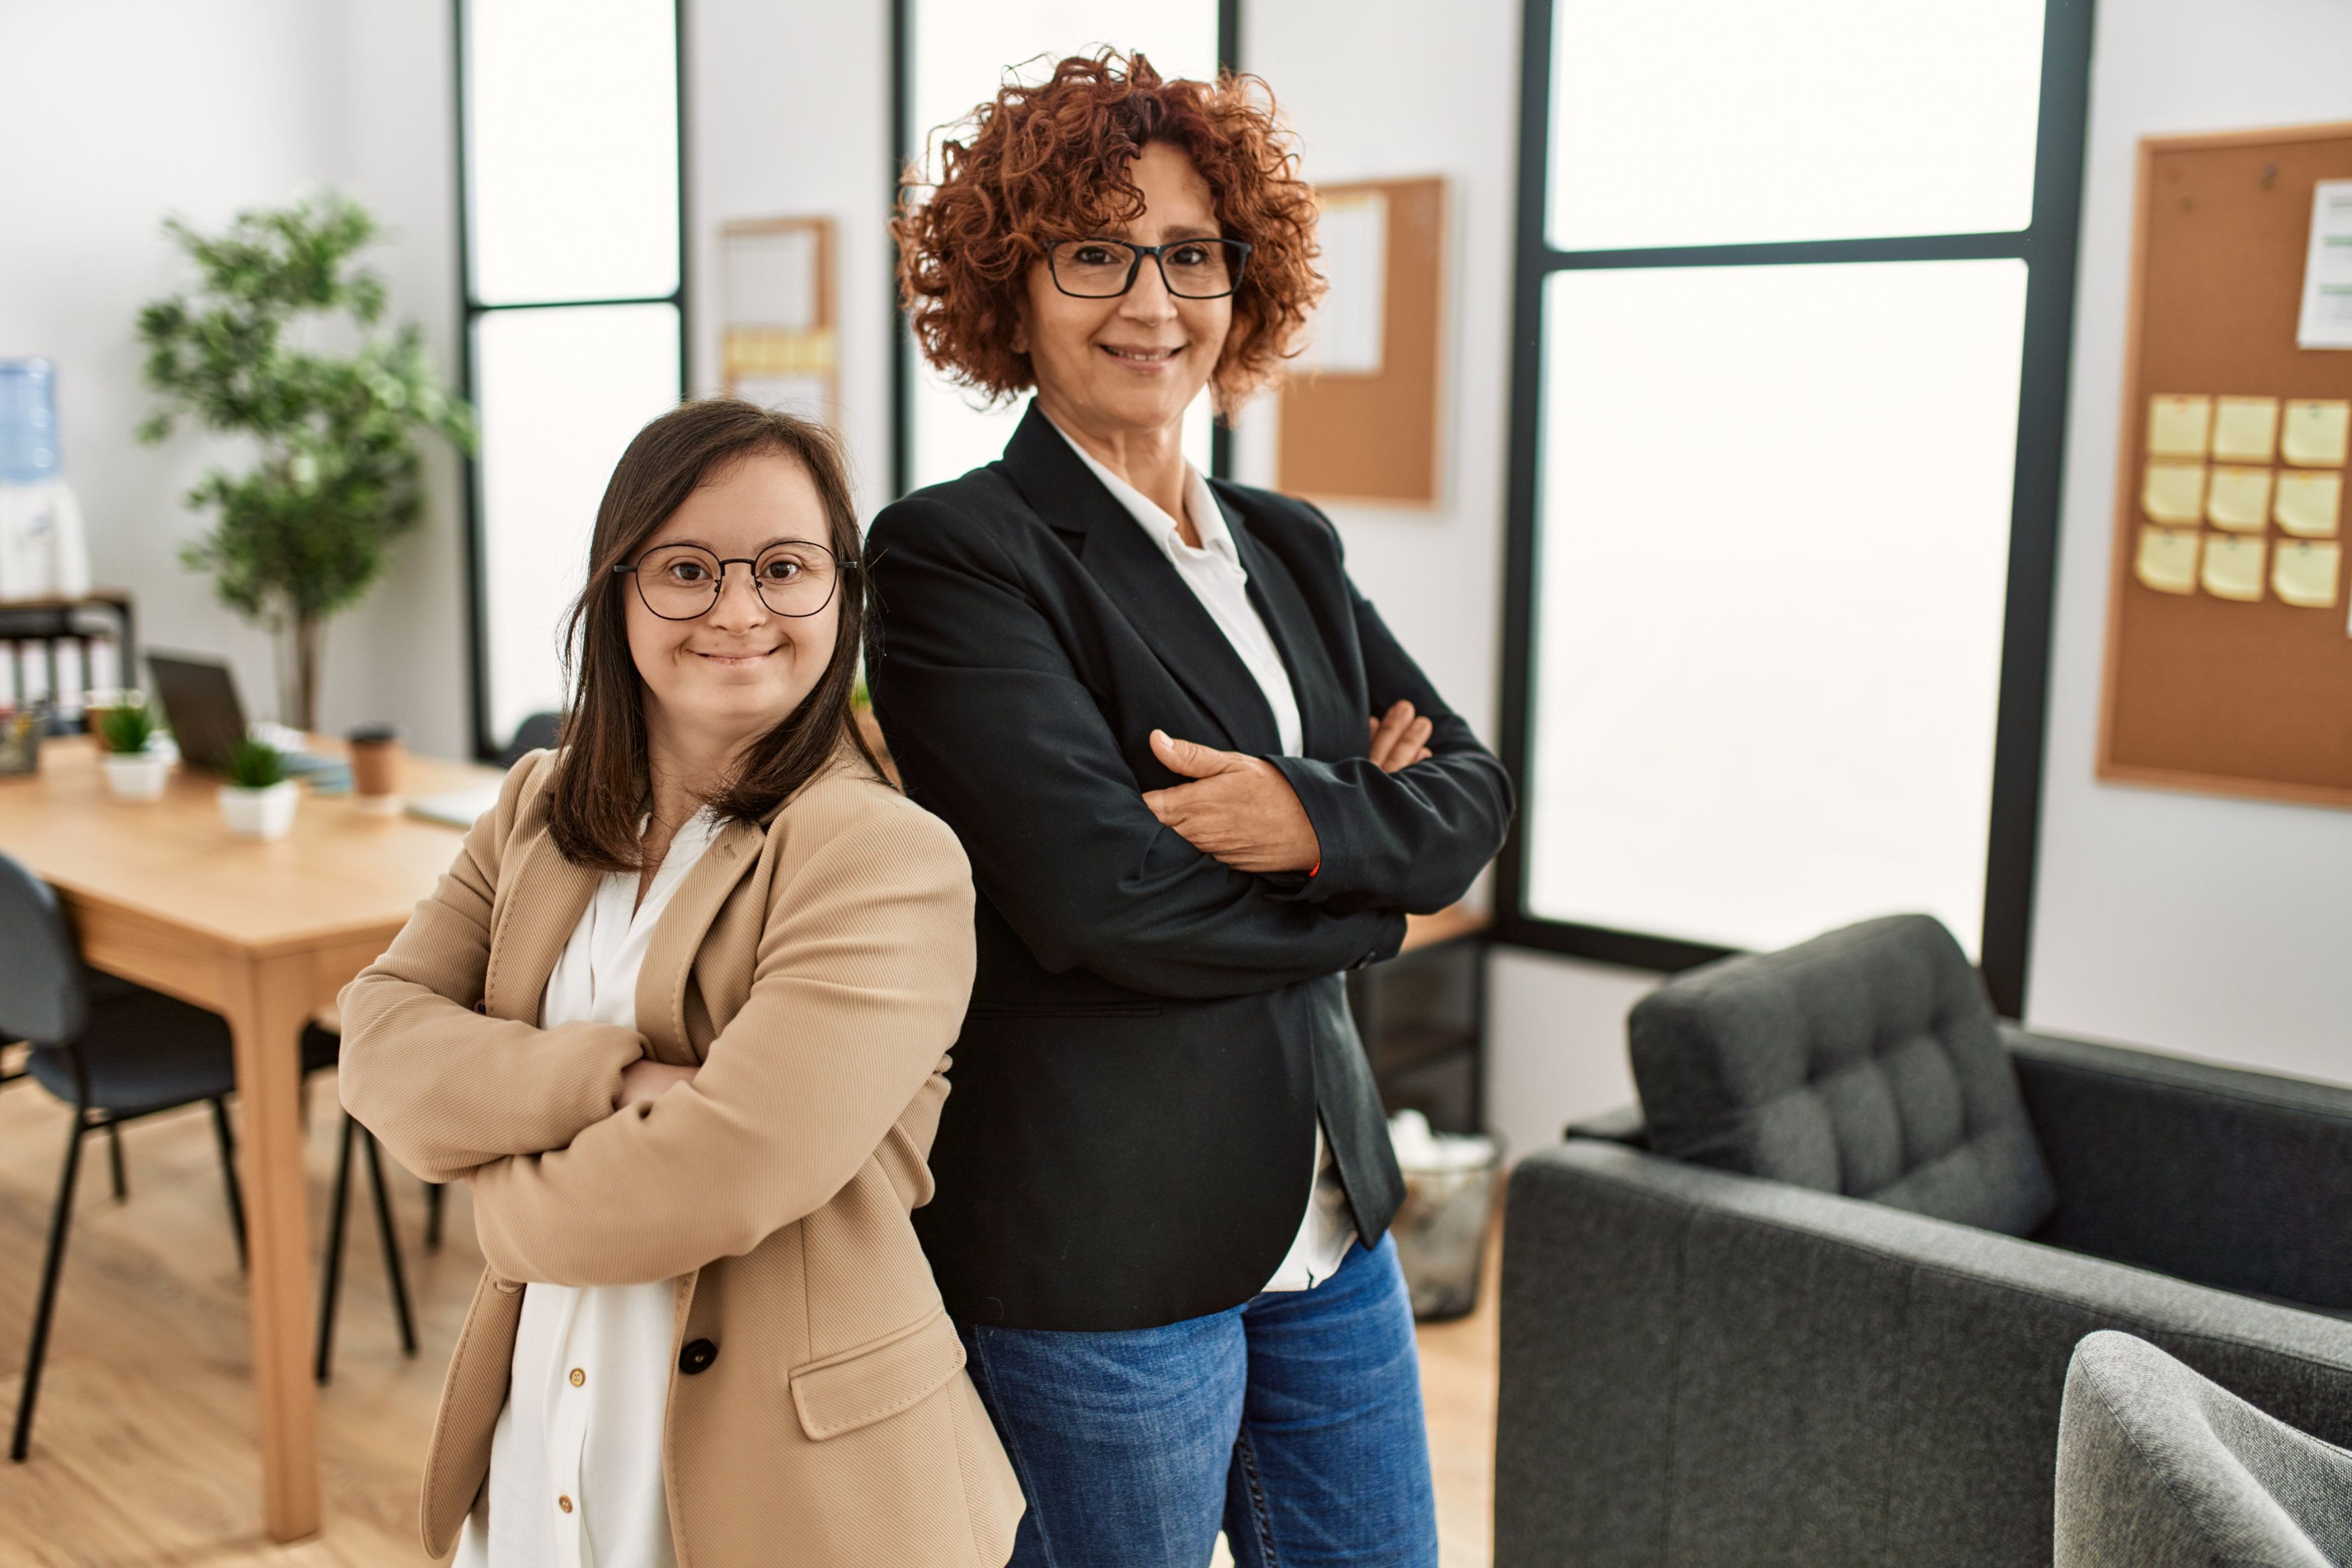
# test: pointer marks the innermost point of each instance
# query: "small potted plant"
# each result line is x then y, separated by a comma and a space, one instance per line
132, 771
258, 800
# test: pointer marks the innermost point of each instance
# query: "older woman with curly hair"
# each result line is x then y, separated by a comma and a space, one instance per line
1197, 779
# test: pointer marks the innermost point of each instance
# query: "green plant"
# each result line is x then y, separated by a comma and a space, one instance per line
255, 764
127, 730
304, 532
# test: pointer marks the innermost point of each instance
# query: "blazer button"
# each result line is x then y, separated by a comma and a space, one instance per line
697, 1356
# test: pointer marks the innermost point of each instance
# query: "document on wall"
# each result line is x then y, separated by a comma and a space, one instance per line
2326, 318
2174, 493
2233, 567
2239, 499
2167, 559
2316, 432
2307, 504
2178, 425
1345, 335
2245, 429
2304, 573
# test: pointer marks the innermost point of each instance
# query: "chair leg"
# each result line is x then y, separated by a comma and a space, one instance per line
331, 1284
435, 1195
46, 1303
114, 1161
228, 1140
393, 1275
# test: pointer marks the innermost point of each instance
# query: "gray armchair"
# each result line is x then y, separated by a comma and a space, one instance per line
2158, 1468
1816, 1307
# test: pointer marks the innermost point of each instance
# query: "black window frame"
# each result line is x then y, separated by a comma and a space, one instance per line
2047, 245
486, 745
904, 147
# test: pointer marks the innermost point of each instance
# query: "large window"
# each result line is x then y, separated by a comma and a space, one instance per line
953, 56
1794, 286
573, 243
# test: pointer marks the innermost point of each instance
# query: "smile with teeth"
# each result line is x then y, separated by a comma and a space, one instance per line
1142, 356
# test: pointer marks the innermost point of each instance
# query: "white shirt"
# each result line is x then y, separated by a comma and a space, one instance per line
576, 1459
1216, 575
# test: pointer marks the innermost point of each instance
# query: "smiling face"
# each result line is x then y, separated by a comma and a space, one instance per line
729, 676
1135, 363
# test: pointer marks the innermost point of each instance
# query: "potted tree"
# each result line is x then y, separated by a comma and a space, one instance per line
280, 343
258, 800
132, 771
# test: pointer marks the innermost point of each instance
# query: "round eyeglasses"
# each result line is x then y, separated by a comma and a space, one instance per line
1106, 268
681, 582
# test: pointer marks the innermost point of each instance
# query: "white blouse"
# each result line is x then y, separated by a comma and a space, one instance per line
1218, 579
576, 1460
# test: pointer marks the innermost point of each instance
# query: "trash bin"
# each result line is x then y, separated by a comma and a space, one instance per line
1441, 1227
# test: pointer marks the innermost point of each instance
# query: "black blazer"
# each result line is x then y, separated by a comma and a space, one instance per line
1129, 1137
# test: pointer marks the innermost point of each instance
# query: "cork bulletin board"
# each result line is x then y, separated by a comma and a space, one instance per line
1360, 423
2228, 665
779, 349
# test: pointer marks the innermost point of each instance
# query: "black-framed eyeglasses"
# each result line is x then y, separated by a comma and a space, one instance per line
1106, 268
681, 582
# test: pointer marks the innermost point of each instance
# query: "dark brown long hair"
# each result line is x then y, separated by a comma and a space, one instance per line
602, 787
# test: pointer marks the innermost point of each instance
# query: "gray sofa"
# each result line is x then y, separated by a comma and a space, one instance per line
2158, 1468
1816, 1307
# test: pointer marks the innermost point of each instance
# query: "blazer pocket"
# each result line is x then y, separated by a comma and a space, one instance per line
858, 1387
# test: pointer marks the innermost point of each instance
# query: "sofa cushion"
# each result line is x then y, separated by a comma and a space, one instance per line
1865, 1062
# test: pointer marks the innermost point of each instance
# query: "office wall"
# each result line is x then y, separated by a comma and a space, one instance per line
790, 116
2207, 926
117, 115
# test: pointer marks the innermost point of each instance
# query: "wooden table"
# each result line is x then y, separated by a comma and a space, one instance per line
262, 934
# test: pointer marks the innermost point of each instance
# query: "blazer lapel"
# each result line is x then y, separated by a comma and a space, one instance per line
1326, 728
1142, 583
538, 906
669, 957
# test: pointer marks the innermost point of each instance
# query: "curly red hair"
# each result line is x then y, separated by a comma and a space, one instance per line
1040, 164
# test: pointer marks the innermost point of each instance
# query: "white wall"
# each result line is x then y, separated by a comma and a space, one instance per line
2207, 926
1387, 89
118, 115
788, 116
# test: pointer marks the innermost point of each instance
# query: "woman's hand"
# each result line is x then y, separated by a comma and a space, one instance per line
1238, 809
644, 1081
1398, 738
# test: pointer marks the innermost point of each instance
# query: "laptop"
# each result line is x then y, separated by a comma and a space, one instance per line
200, 703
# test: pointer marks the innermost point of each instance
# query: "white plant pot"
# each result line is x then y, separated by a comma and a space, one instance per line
260, 813
137, 776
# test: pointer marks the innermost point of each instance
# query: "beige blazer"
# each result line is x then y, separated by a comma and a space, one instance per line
816, 967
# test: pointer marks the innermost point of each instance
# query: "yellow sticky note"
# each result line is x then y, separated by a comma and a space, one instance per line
2313, 430
2178, 423
2233, 567
2167, 559
2304, 573
2237, 498
2245, 429
2308, 504
2173, 493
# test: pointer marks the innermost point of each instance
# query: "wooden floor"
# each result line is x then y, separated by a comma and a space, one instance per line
144, 1451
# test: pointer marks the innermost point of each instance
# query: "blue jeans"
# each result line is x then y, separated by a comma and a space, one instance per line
1293, 1421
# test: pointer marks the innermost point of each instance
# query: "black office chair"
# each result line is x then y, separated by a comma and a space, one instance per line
116, 1051
112, 1050
536, 733
322, 1048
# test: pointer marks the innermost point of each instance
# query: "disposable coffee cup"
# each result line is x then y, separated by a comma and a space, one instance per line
375, 758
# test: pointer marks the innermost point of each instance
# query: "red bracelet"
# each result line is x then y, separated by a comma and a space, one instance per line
1318, 867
